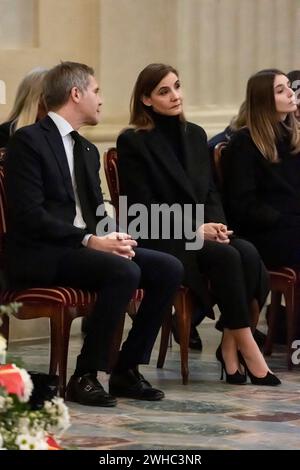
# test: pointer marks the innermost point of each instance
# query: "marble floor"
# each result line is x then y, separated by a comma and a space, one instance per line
205, 414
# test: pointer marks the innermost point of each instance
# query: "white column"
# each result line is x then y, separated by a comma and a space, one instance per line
222, 42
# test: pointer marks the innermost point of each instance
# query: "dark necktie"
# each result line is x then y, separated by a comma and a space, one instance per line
83, 189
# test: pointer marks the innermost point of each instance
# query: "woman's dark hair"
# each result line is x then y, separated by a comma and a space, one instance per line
262, 117
147, 80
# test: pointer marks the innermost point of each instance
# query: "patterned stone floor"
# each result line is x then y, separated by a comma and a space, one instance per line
205, 414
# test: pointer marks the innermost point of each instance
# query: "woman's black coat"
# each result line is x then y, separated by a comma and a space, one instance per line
150, 173
262, 198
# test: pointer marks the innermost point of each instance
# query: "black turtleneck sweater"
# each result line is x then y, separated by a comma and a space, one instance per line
170, 128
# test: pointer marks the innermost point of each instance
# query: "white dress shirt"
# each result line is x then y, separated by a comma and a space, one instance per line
64, 128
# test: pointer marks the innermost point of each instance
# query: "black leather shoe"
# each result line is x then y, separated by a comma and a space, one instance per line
86, 390
194, 341
132, 384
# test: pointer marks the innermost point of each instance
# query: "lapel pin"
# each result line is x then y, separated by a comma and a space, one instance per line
88, 148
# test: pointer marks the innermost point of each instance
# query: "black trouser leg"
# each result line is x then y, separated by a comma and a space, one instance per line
223, 266
115, 279
255, 273
161, 275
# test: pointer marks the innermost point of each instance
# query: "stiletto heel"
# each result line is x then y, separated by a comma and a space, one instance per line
222, 371
237, 378
269, 379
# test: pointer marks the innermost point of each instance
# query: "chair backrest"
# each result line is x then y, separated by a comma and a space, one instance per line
110, 161
2, 154
218, 151
3, 205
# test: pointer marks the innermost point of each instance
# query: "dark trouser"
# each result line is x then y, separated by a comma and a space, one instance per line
235, 273
115, 279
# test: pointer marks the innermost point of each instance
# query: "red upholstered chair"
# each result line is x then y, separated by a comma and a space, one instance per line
184, 299
60, 304
284, 281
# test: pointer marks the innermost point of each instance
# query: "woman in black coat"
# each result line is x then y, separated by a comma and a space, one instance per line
262, 171
164, 160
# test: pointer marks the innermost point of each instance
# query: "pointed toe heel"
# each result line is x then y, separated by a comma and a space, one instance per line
235, 379
269, 379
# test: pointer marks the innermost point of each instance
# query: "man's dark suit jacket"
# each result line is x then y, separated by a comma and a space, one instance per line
41, 204
150, 173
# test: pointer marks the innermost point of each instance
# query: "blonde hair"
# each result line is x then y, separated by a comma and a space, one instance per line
28, 99
262, 118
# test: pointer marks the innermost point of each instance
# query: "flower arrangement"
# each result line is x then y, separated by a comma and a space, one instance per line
21, 426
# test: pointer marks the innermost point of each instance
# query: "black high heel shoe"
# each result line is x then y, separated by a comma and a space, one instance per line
237, 378
268, 379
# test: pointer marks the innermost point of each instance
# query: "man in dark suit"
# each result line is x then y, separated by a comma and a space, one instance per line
53, 190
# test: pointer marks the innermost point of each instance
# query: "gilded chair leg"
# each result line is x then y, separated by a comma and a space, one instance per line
164, 339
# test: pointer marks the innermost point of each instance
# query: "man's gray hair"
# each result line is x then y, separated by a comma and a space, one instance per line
60, 80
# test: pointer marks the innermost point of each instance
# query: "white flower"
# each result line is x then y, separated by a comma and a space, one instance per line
32, 441
20, 426
59, 416
28, 385
23, 441
23, 425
